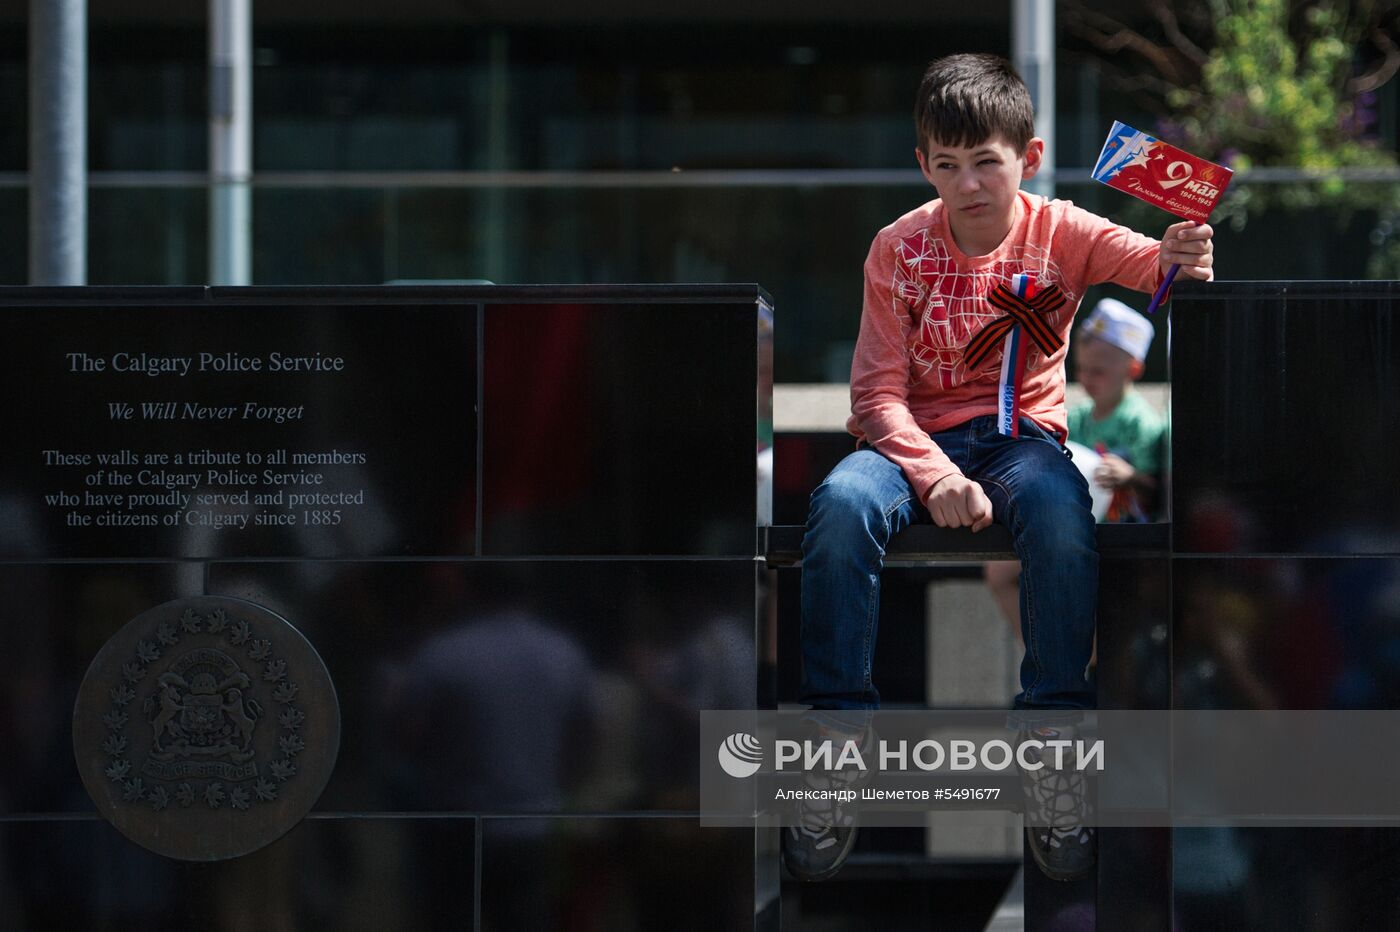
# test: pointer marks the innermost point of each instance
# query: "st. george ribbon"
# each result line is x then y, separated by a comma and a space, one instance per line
1161, 174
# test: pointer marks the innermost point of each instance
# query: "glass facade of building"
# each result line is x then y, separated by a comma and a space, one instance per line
747, 145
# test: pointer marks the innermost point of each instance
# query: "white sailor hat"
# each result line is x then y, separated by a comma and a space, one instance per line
1114, 322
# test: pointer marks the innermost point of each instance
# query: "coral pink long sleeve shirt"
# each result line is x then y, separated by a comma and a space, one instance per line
925, 299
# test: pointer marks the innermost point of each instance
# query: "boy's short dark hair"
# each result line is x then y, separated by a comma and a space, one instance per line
965, 100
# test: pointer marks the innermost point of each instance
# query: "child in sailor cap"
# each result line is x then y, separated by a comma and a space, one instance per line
1109, 350
1115, 323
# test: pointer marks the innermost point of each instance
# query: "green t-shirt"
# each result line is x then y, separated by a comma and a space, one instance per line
1133, 431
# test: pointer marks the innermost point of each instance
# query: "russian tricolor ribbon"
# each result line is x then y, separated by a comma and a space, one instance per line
1026, 310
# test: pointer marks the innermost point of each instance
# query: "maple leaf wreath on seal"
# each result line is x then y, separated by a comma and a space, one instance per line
202, 712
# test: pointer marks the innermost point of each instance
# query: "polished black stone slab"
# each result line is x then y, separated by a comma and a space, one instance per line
377, 873
1134, 631
628, 428
551, 573
421, 421
1334, 880
388, 294
1286, 526
1135, 880
801, 460
584, 677
1286, 633
277, 429
616, 873
1286, 397
53, 620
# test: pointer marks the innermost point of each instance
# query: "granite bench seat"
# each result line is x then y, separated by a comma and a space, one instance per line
927, 543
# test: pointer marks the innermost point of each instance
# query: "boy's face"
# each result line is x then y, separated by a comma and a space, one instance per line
978, 184
1102, 368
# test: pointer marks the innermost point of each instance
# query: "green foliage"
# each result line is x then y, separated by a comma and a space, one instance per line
1273, 92
1277, 96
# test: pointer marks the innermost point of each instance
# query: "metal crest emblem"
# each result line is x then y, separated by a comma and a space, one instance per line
206, 728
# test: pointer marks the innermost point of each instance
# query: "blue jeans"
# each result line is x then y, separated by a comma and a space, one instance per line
1035, 491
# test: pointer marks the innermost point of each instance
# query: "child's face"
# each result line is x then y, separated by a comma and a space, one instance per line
1102, 368
978, 184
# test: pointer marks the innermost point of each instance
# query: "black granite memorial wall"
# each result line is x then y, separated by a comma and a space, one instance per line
1285, 569
516, 523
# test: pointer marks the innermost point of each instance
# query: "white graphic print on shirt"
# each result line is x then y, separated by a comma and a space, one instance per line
950, 305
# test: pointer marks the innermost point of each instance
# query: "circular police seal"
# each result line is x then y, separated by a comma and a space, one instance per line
206, 728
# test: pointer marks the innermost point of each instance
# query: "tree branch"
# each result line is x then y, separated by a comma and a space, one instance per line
1382, 71
1179, 63
1167, 17
1143, 82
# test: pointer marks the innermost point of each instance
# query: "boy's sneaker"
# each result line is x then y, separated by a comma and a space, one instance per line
1058, 809
822, 840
